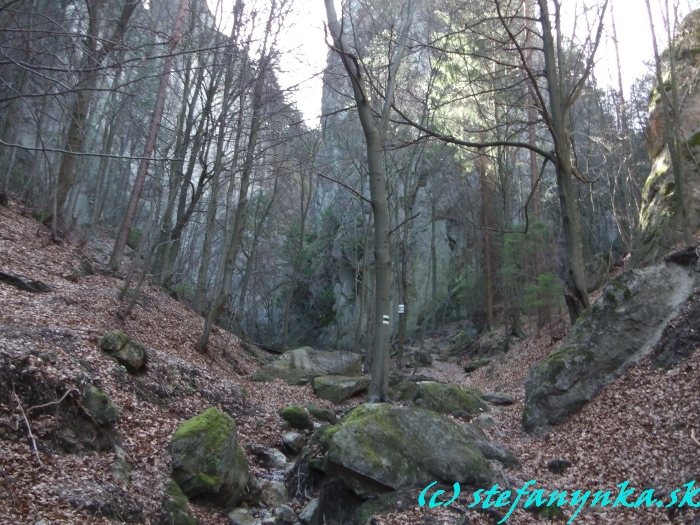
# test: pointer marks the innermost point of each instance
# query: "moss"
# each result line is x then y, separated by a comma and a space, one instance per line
297, 417
449, 399
113, 340
215, 426
134, 238
610, 297
694, 140
322, 437
176, 506
668, 189
211, 481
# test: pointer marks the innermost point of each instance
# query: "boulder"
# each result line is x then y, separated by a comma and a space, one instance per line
128, 353
621, 326
285, 514
293, 442
337, 389
207, 461
297, 417
100, 406
175, 508
381, 447
322, 414
302, 365
448, 399
274, 493
242, 517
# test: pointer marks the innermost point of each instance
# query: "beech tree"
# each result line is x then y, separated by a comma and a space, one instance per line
375, 131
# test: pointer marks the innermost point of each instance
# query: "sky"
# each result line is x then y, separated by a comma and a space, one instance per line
305, 57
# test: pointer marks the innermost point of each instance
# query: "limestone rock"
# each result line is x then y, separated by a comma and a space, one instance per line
382, 447
624, 324
128, 353
337, 389
302, 365
297, 417
207, 461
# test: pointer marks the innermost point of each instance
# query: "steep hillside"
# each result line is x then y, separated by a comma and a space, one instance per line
56, 468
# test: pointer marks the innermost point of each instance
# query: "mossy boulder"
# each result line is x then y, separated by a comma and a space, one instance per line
337, 389
448, 399
380, 447
175, 507
322, 414
624, 324
207, 461
100, 406
127, 352
301, 366
297, 417
475, 364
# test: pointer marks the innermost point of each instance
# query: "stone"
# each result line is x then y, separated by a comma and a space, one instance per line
622, 325
485, 421
207, 461
382, 447
498, 452
273, 459
175, 507
498, 399
337, 389
322, 414
293, 442
558, 466
475, 364
448, 399
242, 517
100, 406
301, 366
297, 417
127, 352
308, 512
474, 432
423, 358
274, 493
285, 514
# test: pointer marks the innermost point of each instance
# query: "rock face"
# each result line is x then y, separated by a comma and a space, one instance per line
207, 461
622, 325
302, 365
128, 353
337, 389
382, 447
660, 225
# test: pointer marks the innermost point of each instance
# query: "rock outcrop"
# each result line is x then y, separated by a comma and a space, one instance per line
621, 326
207, 461
660, 223
302, 365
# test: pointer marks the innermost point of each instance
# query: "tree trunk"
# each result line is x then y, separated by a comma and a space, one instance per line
118, 251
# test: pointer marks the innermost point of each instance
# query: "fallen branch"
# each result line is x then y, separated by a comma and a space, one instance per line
29, 428
692, 436
52, 402
29, 285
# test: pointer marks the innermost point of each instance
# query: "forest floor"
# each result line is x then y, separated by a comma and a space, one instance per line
636, 429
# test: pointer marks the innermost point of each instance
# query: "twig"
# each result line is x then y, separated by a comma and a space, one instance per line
52, 402
692, 436
29, 428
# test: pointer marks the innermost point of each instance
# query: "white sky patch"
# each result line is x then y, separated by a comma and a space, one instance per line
305, 50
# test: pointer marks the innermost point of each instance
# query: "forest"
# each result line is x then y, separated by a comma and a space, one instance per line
487, 198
